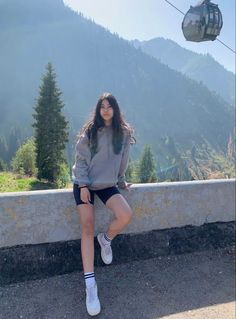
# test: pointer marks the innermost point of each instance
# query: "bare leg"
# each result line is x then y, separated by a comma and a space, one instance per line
86, 213
123, 214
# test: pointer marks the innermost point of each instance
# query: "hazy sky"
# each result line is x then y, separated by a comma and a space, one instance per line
148, 19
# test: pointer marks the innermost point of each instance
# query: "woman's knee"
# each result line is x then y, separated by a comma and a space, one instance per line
129, 216
88, 227
120, 208
126, 216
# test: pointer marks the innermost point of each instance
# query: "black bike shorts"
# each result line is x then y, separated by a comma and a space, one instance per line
103, 194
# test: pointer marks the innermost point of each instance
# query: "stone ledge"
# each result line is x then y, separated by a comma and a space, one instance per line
39, 217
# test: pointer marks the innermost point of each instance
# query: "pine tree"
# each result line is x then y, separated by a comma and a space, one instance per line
51, 128
147, 166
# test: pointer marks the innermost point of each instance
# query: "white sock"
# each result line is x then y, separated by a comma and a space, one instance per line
89, 279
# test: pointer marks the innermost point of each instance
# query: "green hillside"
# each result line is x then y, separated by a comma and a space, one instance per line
200, 67
89, 60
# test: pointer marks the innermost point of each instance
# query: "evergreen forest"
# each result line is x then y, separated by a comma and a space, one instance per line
182, 107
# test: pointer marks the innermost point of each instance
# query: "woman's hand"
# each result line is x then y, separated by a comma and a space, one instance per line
127, 186
85, 195
124, 185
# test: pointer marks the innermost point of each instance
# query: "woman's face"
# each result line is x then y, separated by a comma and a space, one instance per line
106, 112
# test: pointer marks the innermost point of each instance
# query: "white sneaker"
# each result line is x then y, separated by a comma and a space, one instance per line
106, 251
92, 301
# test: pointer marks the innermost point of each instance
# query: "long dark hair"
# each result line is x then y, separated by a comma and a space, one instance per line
119, 125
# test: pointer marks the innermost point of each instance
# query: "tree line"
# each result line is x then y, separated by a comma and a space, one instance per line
43, 155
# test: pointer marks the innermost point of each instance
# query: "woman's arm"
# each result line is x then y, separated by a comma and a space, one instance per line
124, 162
82, 161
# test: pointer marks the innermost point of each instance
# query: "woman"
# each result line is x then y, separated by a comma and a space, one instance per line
102, 153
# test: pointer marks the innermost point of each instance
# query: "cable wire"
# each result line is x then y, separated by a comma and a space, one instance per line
174, 7
216, 38
226, 45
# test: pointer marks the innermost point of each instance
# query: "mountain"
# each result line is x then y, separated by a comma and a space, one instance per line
89, 60
199, 67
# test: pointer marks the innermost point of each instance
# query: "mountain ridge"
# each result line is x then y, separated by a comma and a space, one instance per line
89, 60
200, 67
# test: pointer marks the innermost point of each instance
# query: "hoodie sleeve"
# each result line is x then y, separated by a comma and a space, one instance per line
82, 161
124, 161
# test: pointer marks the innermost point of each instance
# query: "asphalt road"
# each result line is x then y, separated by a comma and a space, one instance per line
195, 286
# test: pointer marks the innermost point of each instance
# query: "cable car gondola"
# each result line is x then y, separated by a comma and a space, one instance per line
202, 22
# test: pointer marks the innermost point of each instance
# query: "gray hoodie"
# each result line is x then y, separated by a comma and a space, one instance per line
105, 168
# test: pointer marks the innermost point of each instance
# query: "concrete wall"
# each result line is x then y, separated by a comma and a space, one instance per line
49, 216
